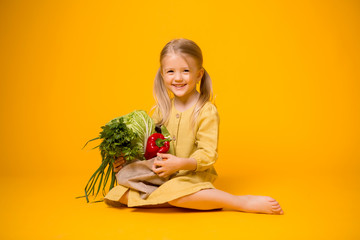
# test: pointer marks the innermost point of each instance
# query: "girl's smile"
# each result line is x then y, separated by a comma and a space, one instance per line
180, 74
179, 87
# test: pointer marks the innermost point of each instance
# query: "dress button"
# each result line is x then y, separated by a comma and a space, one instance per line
177, 115
174, 138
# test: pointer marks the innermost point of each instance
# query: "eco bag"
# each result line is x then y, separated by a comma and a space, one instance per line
139, 176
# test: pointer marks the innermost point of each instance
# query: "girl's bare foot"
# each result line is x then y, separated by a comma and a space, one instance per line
259, 204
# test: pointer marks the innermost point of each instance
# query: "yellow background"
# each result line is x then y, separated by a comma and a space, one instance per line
286, 79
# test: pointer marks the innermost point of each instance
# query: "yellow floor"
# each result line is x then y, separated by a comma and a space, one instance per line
47, 209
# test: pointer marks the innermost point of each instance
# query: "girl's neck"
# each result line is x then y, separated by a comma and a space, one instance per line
184, 104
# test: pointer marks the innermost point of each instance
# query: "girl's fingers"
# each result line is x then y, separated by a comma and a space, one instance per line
163, 175
158, 171
120, 160
154, 168
118, 164
164, 155
115, 165
158, 163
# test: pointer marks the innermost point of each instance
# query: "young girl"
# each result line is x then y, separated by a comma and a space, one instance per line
193, 123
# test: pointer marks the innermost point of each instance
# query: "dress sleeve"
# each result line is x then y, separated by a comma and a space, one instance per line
206, 138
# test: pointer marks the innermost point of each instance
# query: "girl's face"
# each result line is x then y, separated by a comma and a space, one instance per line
181, 74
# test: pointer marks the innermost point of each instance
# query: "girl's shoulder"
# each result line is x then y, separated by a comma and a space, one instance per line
209, 106
209, 109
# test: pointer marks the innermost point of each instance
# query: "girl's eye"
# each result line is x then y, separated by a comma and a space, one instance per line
170, 71
186, 70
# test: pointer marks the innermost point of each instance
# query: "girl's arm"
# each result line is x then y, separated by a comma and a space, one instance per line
206, 138
169, 164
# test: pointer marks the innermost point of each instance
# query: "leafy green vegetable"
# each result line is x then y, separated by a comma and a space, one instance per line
143, 125
124, 136
119, 140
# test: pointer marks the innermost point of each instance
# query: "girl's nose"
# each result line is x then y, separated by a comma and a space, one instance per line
178, 76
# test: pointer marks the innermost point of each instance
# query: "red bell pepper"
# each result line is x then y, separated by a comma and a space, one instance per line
156, 143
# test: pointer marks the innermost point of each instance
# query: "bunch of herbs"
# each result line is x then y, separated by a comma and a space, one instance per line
117, 141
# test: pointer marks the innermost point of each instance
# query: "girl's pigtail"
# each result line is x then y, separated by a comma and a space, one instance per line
206, 94
162, 98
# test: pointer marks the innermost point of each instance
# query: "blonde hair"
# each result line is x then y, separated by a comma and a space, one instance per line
162, 95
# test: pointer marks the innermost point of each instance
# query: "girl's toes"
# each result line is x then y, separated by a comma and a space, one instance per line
276, 212
275, 205
276, 209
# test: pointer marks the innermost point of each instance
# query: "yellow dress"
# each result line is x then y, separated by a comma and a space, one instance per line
200, 144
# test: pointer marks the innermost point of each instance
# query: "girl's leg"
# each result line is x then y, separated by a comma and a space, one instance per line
208, 199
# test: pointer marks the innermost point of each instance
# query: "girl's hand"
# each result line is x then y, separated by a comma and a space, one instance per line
118, 164
167, 166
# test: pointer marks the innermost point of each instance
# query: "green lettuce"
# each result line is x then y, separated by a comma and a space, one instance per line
141, 124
